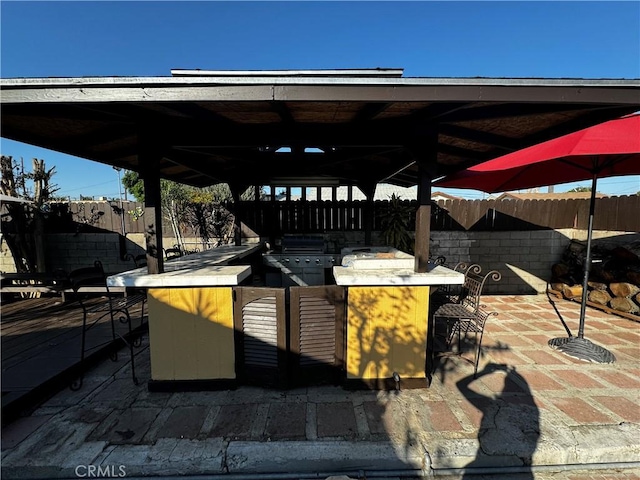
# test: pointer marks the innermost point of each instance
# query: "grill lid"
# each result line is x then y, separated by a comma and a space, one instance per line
302, 244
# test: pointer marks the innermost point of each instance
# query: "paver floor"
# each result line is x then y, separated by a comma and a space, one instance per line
530, 405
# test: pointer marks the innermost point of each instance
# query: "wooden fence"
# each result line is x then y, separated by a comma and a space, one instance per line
277, 218
90, 216
611, 213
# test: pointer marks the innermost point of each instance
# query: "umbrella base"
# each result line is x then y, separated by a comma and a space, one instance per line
582, 349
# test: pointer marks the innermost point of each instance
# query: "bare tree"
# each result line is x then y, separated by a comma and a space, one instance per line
23, 222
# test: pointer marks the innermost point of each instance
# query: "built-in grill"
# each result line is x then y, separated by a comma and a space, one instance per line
304, 256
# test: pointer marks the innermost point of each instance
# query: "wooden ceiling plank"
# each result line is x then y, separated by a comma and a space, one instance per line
498, 141
369, 111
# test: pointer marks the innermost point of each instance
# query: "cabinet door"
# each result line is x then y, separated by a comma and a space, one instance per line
317, 334
260, 335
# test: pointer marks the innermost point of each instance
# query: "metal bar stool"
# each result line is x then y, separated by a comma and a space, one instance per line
88, 281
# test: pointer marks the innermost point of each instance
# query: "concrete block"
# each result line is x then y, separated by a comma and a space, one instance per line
479, 235
451, 453
101, 253
109, 247
468, 242
542, 234
490, 243
530, 242
312, 456
482, 251
596, 444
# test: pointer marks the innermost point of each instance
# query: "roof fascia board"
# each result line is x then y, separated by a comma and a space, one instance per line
345, 93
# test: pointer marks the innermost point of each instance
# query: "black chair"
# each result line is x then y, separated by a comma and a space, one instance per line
86, 283
439, 260
174, 252
464, 314
449, 293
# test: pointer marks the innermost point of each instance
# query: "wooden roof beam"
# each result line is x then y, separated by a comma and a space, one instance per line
369, 111
507, 110
498, 141
197, 112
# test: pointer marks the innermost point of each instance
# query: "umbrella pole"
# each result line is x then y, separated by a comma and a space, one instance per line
587, 261
579, 347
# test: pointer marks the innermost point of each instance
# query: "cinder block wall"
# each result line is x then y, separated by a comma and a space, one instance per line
7, 264
69, 251
524, 259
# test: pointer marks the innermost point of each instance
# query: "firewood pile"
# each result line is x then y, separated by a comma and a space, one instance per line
614, 279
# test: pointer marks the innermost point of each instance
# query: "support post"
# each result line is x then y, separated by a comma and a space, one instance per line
150, 161
272, 213
425, 150
236, 191
369, 189
423, 222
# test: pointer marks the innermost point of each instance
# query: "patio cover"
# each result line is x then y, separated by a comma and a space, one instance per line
305, 127
363, 125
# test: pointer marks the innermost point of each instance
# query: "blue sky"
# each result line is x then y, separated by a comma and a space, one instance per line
432, 39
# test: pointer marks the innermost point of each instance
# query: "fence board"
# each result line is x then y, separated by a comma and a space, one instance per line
627, 215
277, 218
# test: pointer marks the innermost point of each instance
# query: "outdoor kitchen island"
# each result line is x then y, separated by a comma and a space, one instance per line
191, 331
387, 316
211, 327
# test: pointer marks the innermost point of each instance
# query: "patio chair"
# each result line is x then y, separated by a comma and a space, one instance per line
174, 252
439, 260
450, 293
113, 306
464, 314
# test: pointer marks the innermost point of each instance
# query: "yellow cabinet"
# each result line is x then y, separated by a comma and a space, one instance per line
191, 333
387, 332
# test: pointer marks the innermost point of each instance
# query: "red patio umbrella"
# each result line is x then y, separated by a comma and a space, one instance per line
609, 149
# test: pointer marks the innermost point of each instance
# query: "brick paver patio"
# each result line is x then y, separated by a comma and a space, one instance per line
529, 401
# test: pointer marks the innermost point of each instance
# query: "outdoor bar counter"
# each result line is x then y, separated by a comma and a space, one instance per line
207, 330
387, 315
191, 332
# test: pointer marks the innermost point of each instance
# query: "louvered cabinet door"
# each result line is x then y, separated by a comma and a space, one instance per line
317, 334
260, 335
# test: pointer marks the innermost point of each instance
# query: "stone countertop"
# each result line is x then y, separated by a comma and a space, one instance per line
203, 269
437, 275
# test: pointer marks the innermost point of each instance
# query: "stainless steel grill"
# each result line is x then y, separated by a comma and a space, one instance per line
303, 256
302, 245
